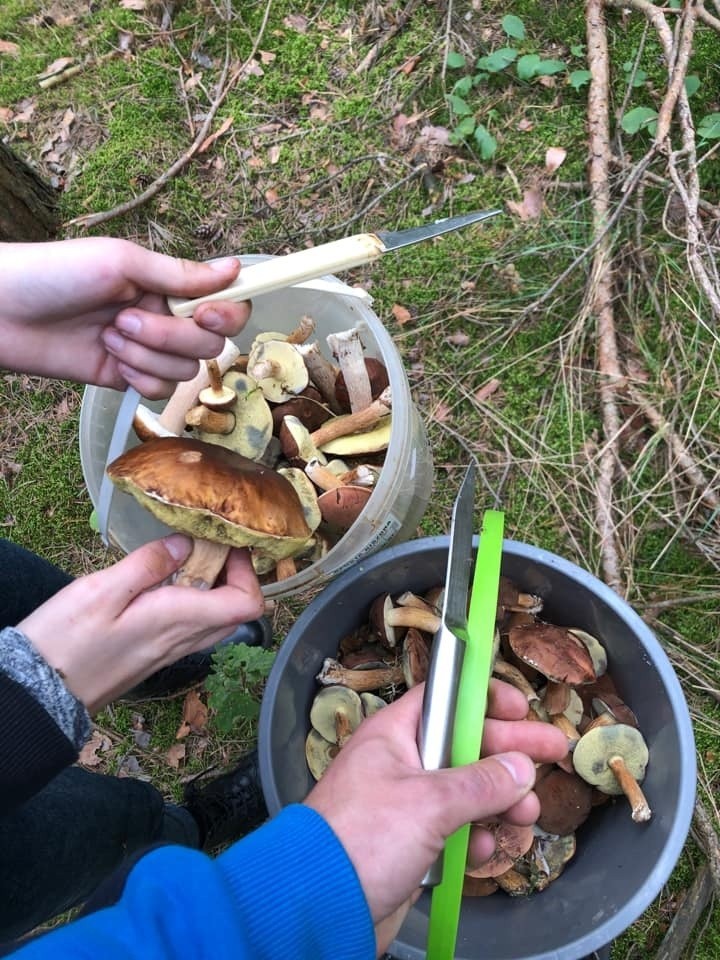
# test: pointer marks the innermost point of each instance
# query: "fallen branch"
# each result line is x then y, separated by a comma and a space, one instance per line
689, 912
600, 292
224, 87
708, 840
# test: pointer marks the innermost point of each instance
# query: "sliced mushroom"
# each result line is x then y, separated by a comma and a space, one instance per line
336, 713
614, 759
297, 444
361, 444
360, 421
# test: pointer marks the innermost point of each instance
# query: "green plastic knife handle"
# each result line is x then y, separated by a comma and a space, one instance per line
468, 730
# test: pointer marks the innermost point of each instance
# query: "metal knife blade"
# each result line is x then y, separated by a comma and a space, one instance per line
394, 239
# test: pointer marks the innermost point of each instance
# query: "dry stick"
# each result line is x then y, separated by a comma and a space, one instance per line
93, 219
708, 840
707, 18
687, 916
600, 294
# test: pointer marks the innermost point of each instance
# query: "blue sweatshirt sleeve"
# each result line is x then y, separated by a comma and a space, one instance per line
288, 890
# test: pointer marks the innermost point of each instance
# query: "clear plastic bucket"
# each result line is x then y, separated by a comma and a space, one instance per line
401, 495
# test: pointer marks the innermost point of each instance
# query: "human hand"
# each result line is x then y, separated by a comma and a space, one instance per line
106, 632
94, 311
393, 817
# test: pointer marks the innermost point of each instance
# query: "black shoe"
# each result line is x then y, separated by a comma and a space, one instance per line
196, 666
229, 806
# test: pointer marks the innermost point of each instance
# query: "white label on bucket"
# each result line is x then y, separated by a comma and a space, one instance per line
386, 532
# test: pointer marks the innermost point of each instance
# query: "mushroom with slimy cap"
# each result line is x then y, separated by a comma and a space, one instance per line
218, 497
613, 758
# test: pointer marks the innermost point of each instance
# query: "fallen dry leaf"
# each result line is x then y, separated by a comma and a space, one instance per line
195, 715
486, 390
266, 56
531, 205
272, 197
6, 114
296, 21
175, 754
554, 157
274, 153
402, 314
9, 48
459, 339
441, 413
133, 4
409, 65
209, 141
98, 743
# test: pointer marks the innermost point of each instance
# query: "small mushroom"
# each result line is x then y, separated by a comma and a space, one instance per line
360, 421
548, 857
322, 373
413, 617
511, 843
374, 678
216, 396
611, 704
218, 497
341, 506
377, 375
348, 351
297, 444
387, 633
207, 421
597, 651
415, 658
306, 406
614, 758
512, 599
554, 651
319, 753
336, 713
565, 802
278, 368
371, 703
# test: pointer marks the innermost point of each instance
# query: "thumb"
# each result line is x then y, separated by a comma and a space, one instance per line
174, 276
146, 567
481, 790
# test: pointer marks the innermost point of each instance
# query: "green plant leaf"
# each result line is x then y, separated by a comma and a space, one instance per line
640, 118
709, 127
463, 87
234, 683
455, 61
465, 127
527, 66
692, 84
94, 523
513, 27
459, 106
578, 49
485, 141
578, 78
547, 68
497, 60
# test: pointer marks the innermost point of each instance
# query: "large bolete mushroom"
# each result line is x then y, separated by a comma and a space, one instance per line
613, 758
553, 651
217, 496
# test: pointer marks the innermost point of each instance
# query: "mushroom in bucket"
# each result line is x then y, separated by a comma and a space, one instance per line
218, 497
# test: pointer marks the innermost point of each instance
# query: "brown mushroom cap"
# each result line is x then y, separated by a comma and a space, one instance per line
565, 802
554, 651
213, 494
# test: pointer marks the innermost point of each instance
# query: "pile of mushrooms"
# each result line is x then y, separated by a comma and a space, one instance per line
319, 426
563, 672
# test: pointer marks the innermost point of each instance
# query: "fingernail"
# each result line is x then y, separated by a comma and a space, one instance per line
128, 322
520, 768
211, 319
178, 546
113, 341
222, 265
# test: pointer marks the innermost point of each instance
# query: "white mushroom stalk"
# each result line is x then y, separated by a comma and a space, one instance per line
348, 351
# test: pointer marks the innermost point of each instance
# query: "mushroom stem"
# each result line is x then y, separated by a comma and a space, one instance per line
265, 368
362, 681
413, 617
348, 350
202, 567
210, 421
285, 568
214, 376
322, 477
563, 724
321, 372
641, 811
355, 422
304, 329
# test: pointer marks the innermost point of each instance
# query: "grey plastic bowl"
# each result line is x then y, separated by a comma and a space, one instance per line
620, 867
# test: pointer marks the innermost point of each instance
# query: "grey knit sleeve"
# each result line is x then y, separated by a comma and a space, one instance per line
22, 663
